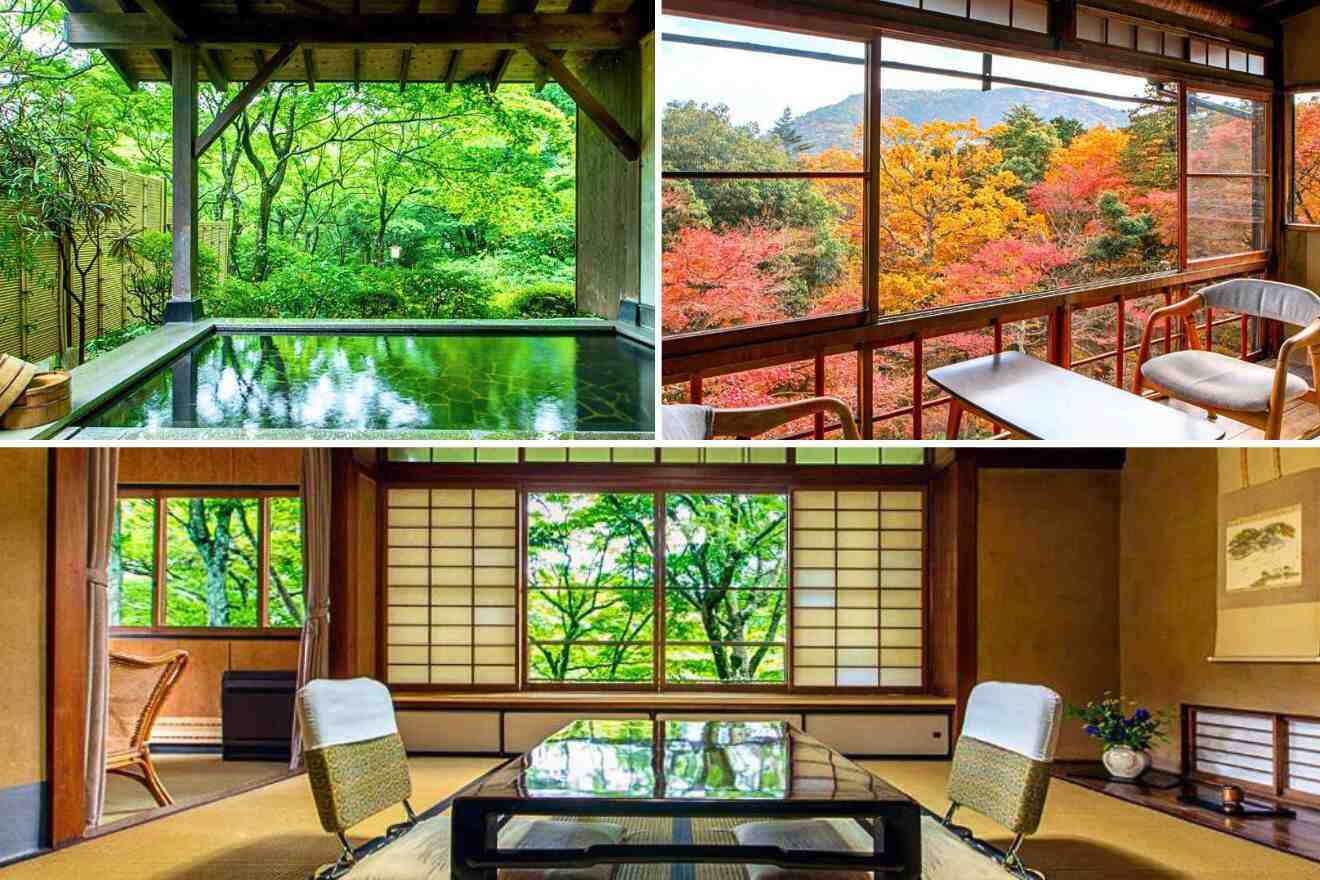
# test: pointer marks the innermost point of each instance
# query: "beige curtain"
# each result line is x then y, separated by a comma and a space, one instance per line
314, 650
102, 476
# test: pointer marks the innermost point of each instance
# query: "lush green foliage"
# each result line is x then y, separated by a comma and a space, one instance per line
726, 585
211, 564
591, 589
340, 202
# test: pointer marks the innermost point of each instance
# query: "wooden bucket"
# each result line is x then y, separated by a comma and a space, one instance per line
49, 396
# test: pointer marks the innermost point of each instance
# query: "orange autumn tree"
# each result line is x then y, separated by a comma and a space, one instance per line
1306, 162
1077, 177
943, 196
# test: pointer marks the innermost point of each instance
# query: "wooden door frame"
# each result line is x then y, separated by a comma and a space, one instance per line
66, 642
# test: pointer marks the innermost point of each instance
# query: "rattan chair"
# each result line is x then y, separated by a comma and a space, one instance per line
138, 688
1250, 393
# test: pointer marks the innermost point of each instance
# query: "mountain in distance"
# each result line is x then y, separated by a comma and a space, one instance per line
836, 125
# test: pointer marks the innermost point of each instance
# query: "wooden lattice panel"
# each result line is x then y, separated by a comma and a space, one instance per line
452, 582
857, 588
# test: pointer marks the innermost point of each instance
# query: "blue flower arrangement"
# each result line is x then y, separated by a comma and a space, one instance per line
1107, 720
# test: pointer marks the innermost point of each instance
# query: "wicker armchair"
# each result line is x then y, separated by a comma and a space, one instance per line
138, 688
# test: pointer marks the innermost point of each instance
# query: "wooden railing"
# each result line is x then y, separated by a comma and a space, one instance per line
690, 362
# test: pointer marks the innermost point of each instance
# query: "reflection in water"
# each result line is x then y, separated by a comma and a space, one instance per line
702, 759
589, 382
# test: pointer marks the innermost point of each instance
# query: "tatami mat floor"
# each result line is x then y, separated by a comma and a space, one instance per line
188, 778
272, 833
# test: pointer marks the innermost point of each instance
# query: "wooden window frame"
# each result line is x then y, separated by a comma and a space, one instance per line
160, 496
869, 304
1186, 175
688, 359
1288, 134
658, 480
1279, 790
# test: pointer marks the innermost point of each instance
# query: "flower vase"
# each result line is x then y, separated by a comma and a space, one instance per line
1125, 763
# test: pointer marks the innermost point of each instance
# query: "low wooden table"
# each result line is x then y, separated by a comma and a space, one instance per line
1040, 401
693, 769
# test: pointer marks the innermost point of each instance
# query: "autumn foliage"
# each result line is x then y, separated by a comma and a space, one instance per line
965, 214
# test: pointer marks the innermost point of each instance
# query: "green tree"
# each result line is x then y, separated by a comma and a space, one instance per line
591, 591
1067, 129
725, 586
1026, 142
786, 133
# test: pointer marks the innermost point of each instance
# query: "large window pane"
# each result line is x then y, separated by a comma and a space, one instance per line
762, 248
986, 194
1226, 135
725, 588
212, 562
287, 600
591, 599
1225, 215
1306, 158
132, 562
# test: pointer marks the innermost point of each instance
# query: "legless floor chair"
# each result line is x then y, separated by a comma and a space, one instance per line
357, 768
138, 688
1001, 769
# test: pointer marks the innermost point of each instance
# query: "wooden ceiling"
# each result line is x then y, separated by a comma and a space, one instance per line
396, 41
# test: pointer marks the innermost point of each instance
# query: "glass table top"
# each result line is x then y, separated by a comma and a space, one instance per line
684, 761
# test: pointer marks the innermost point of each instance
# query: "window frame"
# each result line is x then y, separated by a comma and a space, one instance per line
696, 346
1185, 175
657, 480
160, 496
866, 174
1289, 135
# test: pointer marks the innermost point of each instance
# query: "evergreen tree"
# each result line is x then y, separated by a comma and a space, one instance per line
1067, 129
1026, 142
786, 133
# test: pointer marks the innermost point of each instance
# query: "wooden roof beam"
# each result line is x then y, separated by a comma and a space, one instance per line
115, 60
164, 12
587, 102
405, 62
501, 68
215, 69
455, 56
1282, 9
250, 90
309, 68
87, 30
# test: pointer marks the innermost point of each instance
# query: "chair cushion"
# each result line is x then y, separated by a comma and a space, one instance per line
822, 835
423, 853
1267, 299
1021, 718
945, 856
1218, 381
687, 421
339, 712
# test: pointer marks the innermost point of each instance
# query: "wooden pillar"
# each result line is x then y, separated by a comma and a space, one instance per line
182, 306
66, 642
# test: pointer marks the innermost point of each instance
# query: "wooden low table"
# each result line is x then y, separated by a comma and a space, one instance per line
1040, 401
692, 769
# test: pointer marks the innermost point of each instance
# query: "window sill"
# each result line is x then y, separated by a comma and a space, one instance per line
202, 632
412, 698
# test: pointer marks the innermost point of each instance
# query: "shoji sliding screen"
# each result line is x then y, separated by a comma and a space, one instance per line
858, 588
452, 586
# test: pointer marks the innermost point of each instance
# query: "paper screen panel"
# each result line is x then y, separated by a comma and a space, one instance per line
1235, 746
858, 585
1303, 756
451, 581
